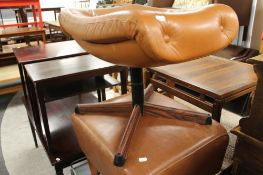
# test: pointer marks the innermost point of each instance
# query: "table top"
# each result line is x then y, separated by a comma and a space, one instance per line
67, 68
53, 23
14, 31
48, 52
43, 9
213, 76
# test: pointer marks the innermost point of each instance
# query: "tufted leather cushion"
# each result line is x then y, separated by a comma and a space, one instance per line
172, 147
142, 36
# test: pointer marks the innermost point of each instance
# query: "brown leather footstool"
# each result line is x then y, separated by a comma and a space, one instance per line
161, 146
150, 143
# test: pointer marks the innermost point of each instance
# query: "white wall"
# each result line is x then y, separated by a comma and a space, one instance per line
56, 3
64, 3
49, 16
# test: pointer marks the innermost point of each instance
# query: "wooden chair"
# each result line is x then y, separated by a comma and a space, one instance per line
160, 136
248, 155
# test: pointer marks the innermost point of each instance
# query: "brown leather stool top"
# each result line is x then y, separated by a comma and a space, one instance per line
141, 36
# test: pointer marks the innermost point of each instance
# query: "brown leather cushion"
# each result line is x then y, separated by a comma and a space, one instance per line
171, 146
141, 36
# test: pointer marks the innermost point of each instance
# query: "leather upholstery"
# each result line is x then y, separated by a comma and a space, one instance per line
243, 12
172, 147
142, 36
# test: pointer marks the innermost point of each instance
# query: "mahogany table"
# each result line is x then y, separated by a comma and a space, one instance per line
33, 54
208, 82
56, 87
51, 51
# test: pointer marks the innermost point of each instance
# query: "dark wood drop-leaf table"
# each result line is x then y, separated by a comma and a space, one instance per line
55, 87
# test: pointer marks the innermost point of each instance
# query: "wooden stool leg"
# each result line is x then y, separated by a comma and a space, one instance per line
121, 155
44, 38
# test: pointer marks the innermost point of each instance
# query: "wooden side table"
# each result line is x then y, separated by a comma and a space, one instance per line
55, 87
33, 54
207, 83
25, 31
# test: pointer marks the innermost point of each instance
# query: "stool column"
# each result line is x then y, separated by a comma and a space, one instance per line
137, 87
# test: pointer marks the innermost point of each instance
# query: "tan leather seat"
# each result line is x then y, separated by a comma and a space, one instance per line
139, 36
172, 147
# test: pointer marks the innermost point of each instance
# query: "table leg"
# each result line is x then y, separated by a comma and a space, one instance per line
124, 80
1, 46
42, 107
59, 170
33, 132
39, 14
44, 37
147, 77
21, 72
34, 14
103, 94
115, 75
217, 109
30, 97
99, 95
50, 33
55, 14
247, 104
